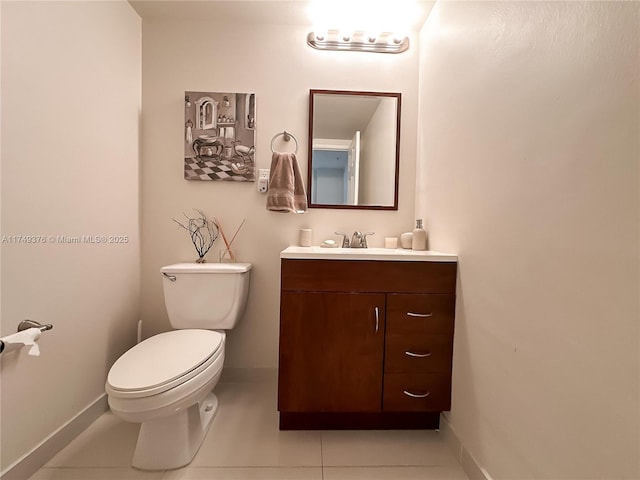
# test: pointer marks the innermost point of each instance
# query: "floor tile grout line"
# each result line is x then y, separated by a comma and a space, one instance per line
404, 465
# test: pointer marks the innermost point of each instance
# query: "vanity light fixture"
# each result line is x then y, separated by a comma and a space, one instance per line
187, 102
225, 101
359, 41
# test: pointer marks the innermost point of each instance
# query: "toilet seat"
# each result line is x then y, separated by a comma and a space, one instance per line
163, 362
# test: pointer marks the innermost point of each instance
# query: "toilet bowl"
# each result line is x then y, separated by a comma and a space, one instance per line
166, 382
165, 373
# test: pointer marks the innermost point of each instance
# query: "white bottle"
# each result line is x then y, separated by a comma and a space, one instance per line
419, 238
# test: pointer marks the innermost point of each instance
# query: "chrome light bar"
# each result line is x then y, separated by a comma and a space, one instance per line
358, 41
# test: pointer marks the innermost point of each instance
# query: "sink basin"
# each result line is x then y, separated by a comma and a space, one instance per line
385, 254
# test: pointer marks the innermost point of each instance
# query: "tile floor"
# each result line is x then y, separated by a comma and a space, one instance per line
244, 443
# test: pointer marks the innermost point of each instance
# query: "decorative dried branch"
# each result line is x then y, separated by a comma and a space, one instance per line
202, 231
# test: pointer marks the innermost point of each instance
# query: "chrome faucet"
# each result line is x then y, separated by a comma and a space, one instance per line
358, 240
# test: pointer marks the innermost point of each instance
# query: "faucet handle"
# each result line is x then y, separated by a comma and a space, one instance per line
363, 239
345, 239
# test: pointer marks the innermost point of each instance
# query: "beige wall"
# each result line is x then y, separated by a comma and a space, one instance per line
274, 62
70, 131
378, 141
528, 153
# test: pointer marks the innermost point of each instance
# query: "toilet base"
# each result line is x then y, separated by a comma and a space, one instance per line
172, 442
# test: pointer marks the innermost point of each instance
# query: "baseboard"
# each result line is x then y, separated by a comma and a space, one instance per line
470, 465
450, 437
30, 463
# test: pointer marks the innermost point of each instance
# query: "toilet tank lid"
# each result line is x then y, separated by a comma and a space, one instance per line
207, 268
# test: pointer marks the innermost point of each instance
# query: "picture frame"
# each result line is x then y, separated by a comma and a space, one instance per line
219, 136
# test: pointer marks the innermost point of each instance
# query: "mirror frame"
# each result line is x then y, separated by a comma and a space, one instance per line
398, 97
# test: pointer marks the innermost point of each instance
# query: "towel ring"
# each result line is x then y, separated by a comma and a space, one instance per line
286, 136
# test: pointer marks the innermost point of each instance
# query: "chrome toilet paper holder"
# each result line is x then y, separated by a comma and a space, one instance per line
25, 325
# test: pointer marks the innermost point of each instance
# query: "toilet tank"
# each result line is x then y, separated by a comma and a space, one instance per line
211, 296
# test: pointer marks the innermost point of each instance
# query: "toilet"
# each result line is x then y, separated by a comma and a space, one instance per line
166, 382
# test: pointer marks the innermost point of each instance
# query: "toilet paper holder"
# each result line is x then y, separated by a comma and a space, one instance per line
26, 324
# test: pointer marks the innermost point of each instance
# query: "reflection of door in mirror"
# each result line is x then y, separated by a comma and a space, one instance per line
330, 174
354, 170
336, 171
366, 127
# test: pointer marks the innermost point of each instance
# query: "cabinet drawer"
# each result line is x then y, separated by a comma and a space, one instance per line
368, 276
406, 392
417, 314
418, 353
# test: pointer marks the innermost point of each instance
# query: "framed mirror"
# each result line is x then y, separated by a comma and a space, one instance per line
354, 149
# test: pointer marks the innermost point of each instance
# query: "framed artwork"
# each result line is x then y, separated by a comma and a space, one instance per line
219, 136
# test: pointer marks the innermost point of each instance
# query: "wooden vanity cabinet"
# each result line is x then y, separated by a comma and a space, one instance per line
365, 344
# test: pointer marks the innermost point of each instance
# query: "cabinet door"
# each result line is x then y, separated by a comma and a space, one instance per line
331, 352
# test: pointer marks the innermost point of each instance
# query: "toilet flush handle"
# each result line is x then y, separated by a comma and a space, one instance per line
170, 277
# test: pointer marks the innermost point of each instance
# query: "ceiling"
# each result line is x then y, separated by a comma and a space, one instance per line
284, 12
355, 113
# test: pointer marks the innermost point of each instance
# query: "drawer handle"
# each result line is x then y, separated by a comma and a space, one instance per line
421, 315
417, 355
416, 395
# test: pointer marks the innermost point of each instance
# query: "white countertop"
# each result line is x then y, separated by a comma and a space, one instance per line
385, 254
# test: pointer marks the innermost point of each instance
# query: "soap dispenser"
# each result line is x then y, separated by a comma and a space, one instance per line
419, 239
